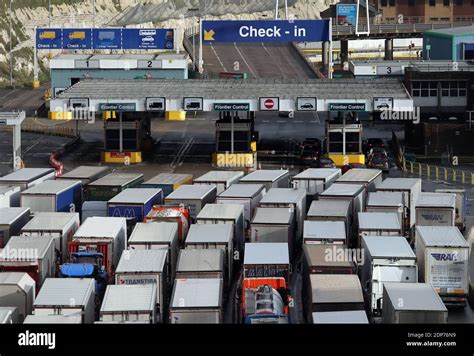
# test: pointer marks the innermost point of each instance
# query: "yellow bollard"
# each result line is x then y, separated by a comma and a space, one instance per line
420, 169
412, 168
454, 175
428, 171
472, 178
437, 172
445, 174
463, 177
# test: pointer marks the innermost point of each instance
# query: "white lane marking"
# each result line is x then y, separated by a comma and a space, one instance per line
245, 61
218, 58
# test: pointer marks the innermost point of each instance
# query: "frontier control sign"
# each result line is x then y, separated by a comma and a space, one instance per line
266, 31
231, 107
347, 107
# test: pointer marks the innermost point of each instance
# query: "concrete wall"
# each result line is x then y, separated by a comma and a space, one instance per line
61, 78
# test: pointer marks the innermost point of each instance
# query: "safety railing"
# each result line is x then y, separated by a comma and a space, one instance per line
447, 174
49, 130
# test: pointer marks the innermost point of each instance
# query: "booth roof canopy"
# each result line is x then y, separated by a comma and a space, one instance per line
355, 89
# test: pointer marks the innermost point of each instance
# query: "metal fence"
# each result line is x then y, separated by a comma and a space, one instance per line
446, 174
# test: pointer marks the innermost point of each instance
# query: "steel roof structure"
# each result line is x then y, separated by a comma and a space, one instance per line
234, 91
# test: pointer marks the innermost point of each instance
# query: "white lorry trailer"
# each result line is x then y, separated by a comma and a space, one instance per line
379, 224
368, 177
9, 196
386, 202
332, 210
197, 301
325, 232
443, 258
17, 289
436, 209
11, 222
270, 178
386, 259
340, 317
56, 295
288, 198
194, 197
197, 263
27, 178
222, 180
140, 267
420, 304
461, 206
411, 189
315, 181
125, 303
61, 226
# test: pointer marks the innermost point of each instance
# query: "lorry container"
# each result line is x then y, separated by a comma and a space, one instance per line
168, 182
340, 317
315, 181
203, 301
265, 284
93, 208
327, 259
9, 315
214, 236
232, 214
134, 203
270, 178
105, 188
67, 296
367, 177
9, 196
379, 224
411, 189
222, 180
386, 259
461, 206
157, 236
53, 196
139, 267
436, 209
105, 235
331, 210
386, 202
196, 263
443, 259
11, 222
128, 302
27, 178
61, 226
177, 214
17, 289
248, 195
193, 197
421, 304
86, 174
334, 292
53, 319
35, 256
353, 193
288, 198
324, 232
273, 225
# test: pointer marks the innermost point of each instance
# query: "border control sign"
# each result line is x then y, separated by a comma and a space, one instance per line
266, 31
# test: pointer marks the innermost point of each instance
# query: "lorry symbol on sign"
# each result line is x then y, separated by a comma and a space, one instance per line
445, 256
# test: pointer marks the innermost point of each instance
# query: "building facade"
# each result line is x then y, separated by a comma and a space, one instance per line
425, 11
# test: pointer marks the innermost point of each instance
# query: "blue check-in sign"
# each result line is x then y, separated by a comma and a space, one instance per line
77, 38
107, 38
152, 38
266, 31
49, 38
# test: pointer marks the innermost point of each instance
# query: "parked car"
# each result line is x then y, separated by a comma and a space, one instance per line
323, 163
379, 163
377, 152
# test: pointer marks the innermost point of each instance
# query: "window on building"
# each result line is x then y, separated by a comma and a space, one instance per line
432, 2
391, 2
384, 3
459, 2
454, 89
411, 2
425, 89
446, 2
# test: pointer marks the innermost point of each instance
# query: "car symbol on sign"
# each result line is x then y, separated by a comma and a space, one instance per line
383, 106
148, 39
193, 105
307, 106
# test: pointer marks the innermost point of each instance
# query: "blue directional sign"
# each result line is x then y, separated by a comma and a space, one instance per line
107, 38
104, 38
346, 14
49, 38
77, 38
149, 38
266, 31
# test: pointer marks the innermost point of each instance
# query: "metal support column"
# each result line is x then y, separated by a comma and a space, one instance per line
344, 51
389, 49
325, 54
120, 133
